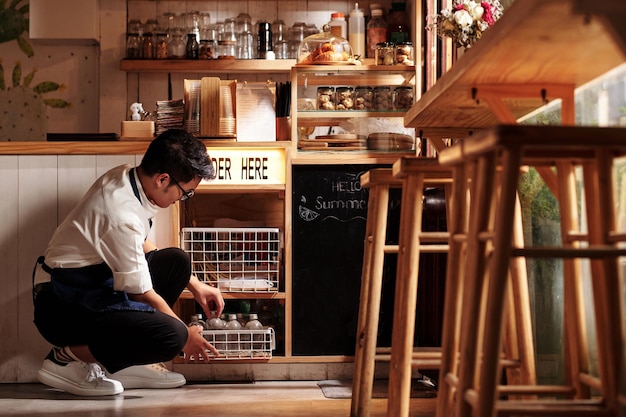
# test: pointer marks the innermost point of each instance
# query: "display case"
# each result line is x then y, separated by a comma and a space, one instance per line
351, 108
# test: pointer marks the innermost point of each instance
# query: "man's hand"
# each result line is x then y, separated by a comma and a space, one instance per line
196, 346
209, 298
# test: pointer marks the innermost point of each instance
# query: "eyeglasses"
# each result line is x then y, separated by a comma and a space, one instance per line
186, 195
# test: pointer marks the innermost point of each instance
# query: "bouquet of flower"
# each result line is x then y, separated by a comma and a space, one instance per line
466, 20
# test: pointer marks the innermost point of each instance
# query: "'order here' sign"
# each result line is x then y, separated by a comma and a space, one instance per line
248, 166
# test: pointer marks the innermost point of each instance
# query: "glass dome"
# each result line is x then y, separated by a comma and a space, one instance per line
324, 48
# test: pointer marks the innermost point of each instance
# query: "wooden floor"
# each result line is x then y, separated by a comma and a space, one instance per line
259, 399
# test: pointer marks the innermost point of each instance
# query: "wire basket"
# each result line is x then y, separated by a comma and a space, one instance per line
235, 259
242, 344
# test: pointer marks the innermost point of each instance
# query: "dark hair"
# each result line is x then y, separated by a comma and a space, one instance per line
179, 154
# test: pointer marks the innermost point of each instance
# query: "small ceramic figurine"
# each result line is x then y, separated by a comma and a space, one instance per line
136, 111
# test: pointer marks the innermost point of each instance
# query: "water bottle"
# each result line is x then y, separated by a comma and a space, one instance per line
234, 327
254, 324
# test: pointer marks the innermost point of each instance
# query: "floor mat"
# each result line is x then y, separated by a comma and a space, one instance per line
334, 388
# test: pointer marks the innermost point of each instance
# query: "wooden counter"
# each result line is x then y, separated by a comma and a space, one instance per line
109, 148
538, 51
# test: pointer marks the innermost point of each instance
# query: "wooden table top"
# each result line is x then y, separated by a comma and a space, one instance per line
537, 44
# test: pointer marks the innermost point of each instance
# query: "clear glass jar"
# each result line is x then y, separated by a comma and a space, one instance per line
363, 98
382, 98
344, 98
326, 98
176, 45
160, 45
147, 46
227, 49
402, 98
405, 53
133, 46
207, 49
385, 53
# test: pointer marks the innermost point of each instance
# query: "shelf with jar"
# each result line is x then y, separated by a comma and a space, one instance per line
342, 108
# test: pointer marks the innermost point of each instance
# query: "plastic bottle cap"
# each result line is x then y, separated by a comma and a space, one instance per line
337, 16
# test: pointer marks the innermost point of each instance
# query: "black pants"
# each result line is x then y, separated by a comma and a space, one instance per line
118, 339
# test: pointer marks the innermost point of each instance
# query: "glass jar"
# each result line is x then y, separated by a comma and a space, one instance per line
176, 45
227, 49
254, 324
405, 53
264, 40
363, 98
207, 49
344, 98
326, 98
232, 338
402, 98
160, 45
385, 53
147, 46
382, 98
133, 46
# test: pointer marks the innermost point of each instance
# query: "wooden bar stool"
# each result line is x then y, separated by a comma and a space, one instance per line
413, 174
490, 162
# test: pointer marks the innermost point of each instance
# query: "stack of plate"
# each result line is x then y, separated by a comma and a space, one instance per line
388, 141
169, 115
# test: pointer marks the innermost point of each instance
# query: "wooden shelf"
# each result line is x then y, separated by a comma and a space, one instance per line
537, 45
232, 66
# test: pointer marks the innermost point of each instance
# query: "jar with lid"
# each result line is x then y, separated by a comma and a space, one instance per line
160, 45
344, 98
405, 53
376, 32
382, 98
192, 50
402, 97
226, 49
134, 32
326, 98
147, 46
385, 53
176, 45
363, 98
338, 25
207, 49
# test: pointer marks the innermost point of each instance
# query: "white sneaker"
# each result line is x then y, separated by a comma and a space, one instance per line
78, 378
148, 376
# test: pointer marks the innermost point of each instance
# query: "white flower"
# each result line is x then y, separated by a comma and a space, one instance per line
463, 18
476, 11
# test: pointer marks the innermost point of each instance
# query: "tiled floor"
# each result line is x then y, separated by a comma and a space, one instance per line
259, 399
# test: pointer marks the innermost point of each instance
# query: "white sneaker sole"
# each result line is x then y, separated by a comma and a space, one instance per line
53, 380
130, 382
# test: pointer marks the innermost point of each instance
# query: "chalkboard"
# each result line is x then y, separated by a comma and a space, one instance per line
329, 219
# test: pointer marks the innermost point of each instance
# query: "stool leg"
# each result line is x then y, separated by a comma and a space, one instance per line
369, 306
405, 297
520, 335
575, 333
481, 194
497, 284
457, 212
605, 276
